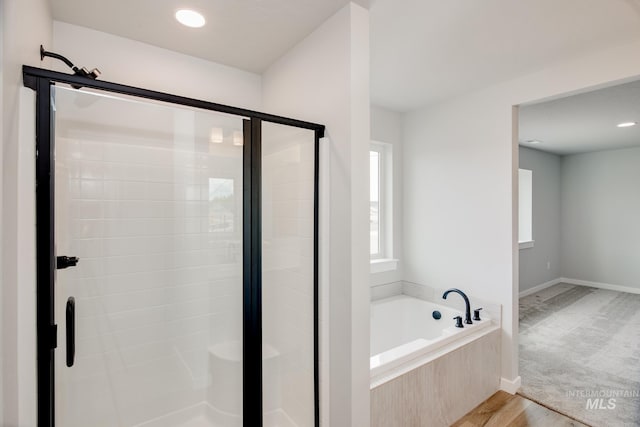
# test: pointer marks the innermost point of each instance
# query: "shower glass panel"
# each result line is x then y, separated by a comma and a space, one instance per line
288, 165
149, 198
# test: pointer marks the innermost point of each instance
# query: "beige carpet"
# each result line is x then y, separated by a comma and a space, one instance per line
580, 353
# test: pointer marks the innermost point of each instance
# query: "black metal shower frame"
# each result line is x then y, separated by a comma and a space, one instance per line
41, 81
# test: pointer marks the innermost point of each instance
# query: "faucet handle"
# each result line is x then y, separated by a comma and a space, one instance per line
458, 320
476, 314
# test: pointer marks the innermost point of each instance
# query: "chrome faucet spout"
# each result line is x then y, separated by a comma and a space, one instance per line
467, 313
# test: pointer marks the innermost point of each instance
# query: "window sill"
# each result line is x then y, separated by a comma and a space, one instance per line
382, 265
526, 244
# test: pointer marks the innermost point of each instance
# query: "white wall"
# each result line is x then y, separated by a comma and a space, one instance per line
25, 25
325, 79
134, 63
600, 211
386, 126
546, 219
457, 200
460, 169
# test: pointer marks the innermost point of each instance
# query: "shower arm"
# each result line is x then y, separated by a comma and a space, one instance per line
93, 74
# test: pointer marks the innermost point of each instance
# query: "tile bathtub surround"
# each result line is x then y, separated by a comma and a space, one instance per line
441, 391
387, 290
419, 291
428, 293
455, 301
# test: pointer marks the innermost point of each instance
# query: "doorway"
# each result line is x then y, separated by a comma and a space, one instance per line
579, 262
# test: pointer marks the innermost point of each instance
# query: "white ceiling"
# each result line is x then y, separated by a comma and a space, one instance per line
422, 51
246, 34
584, 122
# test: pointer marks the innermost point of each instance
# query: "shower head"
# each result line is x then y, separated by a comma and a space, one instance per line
83, 72
93, 74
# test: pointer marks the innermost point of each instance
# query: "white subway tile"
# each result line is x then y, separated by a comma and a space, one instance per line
95, 345
188, 309
81, 287
90, 150
91, 189
144, 353
133, 190
156, 173
74, 188
159, 191
134, 300
90, 267
113, 190
88, 248
136, 318
92, 170
188, 292
86, 209
136, 336
87, 228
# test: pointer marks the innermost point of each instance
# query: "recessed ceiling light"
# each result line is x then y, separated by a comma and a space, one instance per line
533, 141
190, 18
626, 124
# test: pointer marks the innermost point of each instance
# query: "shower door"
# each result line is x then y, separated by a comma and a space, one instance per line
289, 168
148, 198
177, 260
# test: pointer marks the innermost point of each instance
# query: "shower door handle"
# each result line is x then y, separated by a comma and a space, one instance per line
66, 261
71, 330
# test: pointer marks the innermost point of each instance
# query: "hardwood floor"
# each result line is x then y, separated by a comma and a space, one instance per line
506, 410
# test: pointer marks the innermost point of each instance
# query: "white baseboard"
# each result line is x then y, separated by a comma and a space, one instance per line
600, 285
509, 386
538, 288
579, 282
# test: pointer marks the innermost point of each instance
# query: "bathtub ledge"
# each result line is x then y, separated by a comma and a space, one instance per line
377, 379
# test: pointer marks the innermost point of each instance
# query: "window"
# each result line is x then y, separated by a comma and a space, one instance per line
375, 234
381, 208
525, 208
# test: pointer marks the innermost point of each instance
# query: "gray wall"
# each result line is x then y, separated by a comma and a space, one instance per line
546, 219
586, 218
601, 217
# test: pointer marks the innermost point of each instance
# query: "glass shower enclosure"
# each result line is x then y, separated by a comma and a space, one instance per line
176, 260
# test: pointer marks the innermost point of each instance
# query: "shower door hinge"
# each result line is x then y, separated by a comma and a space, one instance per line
53, 338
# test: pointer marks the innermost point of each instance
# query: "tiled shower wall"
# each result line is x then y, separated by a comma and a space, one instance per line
159, 280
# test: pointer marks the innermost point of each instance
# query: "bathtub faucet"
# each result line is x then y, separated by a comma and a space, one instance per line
467, 314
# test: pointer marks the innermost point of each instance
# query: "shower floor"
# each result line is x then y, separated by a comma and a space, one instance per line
198, 422
199, 415
204, 415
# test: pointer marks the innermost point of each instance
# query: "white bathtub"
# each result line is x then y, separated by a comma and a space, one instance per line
403, 332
